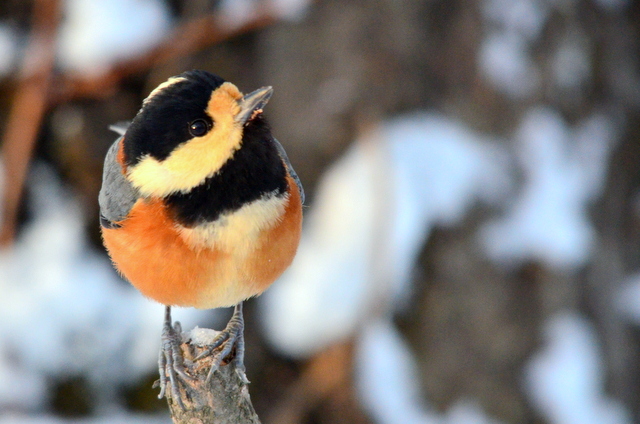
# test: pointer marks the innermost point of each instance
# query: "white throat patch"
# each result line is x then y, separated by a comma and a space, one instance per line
238, 232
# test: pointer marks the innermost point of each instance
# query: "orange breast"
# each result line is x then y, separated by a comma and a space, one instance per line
149, 252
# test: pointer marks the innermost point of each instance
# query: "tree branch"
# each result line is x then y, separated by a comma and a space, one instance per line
27, 110
187, 38
222, 400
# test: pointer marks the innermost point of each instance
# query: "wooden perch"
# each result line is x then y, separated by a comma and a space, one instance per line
222, 400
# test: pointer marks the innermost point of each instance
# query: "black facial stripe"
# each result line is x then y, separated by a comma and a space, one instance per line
163, 123
256, 169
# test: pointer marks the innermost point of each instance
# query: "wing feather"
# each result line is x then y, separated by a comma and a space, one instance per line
292, 172
117, 195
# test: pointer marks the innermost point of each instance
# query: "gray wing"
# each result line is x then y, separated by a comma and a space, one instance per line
117, 195
292, 172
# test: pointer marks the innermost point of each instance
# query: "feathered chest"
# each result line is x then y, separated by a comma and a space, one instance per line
230, 209
239, 231
254, 172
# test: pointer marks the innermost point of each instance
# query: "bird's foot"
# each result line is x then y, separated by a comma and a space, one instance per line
228, 346
171, 362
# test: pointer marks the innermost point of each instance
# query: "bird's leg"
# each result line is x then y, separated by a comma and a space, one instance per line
228, 339
171, 361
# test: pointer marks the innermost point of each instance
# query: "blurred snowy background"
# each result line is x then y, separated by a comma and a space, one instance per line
471, 247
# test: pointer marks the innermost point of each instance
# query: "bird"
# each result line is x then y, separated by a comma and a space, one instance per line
200, 207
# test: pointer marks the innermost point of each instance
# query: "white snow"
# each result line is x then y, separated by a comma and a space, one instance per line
64, 310
564, 170
513, 29
468, 411
8, 48
97, 33
504, 59
373, 211
235, 13
565, 381
517, 17
439, 170
21, 388
571, 62
388, 384
387, 378
293, 10
627, 299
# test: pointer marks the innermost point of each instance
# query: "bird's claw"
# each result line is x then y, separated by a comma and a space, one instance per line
229, 344
171, 363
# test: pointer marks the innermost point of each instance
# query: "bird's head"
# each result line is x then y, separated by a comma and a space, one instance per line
187, 129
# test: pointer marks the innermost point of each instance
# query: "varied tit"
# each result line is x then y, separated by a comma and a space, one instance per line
200, 206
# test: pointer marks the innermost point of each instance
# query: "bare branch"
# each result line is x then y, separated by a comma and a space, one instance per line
28, 109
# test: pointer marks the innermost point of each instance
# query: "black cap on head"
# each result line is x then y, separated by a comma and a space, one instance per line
203, 78
163, 121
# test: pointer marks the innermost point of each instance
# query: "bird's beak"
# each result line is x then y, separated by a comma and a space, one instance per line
252, 102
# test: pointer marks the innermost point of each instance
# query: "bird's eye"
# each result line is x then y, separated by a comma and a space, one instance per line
198, 128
